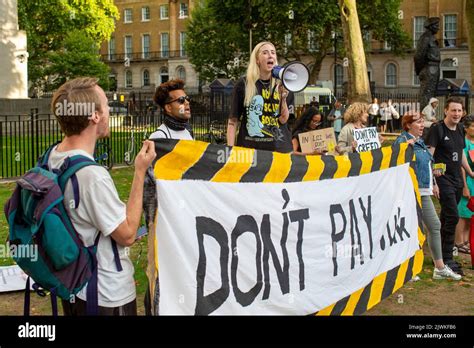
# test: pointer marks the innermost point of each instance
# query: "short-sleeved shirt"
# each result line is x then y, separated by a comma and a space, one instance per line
449, 145
260, 127
100, 209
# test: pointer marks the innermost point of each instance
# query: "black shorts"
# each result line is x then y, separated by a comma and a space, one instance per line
79, 308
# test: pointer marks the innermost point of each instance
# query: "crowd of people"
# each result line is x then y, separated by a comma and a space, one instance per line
262, 106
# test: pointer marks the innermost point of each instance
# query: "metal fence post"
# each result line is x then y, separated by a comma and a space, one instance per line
34, 137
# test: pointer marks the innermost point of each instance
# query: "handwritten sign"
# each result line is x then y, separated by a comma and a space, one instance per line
367, 139
321, 139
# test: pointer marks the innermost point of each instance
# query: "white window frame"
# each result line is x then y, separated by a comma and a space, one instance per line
181, 13
146, 54
183, 69
144, 11
125, 11
445, 37
111, 48
127, 72
164, 73
165, 53
128, 54
143, 77
416, 79
182, 39
162, 7
417, 34
386, 75
339, 78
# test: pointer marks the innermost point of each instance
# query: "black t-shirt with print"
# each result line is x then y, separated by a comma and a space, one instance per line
449, 146
260, 128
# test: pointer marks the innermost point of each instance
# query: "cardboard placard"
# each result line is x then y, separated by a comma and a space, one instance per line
367, 139
320, 139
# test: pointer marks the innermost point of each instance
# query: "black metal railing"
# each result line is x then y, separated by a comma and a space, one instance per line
143, 56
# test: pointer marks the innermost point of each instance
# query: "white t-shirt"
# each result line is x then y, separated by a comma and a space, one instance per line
100, 209
428, 191
165, 132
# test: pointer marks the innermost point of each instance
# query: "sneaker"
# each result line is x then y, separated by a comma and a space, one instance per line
455, 267
445, 273
415, 279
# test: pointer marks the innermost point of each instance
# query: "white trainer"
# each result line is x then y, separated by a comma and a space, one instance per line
445, 273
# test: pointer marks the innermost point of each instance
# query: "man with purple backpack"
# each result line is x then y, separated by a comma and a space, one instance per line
69, 209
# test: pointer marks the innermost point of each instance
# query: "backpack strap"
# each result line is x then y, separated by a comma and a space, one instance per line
43, 159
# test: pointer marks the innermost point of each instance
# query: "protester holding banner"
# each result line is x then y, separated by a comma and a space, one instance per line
463, 227
413, 125
100, 218
261, 105
356, 116
177, 112
447, 146
310, 120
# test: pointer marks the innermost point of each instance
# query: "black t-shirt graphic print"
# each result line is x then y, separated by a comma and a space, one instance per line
260, 126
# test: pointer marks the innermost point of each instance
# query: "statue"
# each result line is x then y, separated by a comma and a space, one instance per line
427, 59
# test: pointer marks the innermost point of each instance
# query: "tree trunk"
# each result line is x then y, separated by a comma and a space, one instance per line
470, 34
358, 80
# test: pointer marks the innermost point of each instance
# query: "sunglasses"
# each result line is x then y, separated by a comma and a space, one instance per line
180, 100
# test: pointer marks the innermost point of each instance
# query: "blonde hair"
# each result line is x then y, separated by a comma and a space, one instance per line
81, 90
253, 73
355, 111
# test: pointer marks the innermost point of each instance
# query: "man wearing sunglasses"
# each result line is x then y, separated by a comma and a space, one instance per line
177, 112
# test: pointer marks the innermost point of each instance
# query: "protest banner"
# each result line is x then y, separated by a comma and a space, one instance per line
320, 139
367, 139
276, 233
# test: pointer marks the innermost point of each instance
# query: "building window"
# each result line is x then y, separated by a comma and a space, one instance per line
416, 79
146, 46
128, 46
339, 75
448, 70
182, 39
164, 75
312, 44
418, 29
450, 30
391, 75
146, 78
369, 72
112, 48
164, 9
183, 10
181, 73
145, 14
127, 15
367, 38
128, 79
165, 45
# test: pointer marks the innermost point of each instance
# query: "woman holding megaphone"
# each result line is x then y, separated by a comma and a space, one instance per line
262, 105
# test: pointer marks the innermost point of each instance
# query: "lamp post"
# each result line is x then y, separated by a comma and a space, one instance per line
335, 63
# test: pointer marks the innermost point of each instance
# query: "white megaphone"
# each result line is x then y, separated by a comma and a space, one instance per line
294, 75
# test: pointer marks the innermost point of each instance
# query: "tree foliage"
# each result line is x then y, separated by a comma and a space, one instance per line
77, 57
219, 31
48, 24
